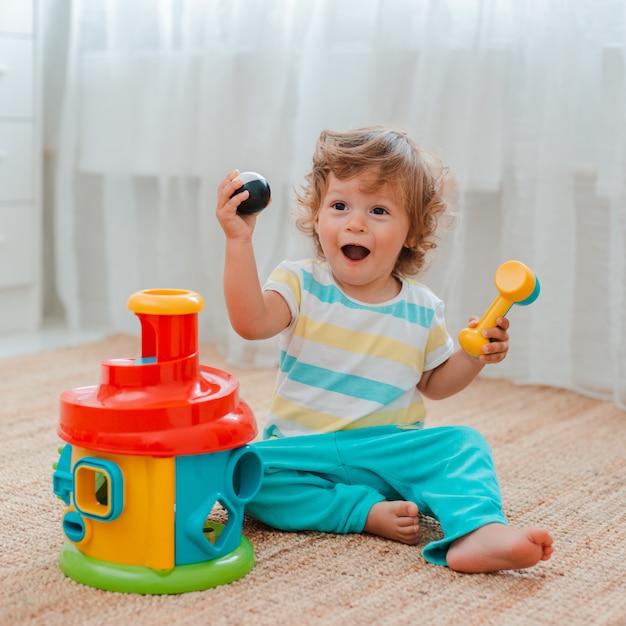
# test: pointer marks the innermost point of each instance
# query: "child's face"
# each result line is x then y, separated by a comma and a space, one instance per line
362, 233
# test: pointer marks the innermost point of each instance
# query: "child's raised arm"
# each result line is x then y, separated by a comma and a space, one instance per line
253, 314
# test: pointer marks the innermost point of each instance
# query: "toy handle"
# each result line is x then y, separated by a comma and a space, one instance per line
517, 284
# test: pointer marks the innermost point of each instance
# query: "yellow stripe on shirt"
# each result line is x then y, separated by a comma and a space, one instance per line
314, 420
358, 342
289, 279
409, 415
437, 338
323, 422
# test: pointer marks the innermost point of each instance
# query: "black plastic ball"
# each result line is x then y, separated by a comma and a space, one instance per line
260, 193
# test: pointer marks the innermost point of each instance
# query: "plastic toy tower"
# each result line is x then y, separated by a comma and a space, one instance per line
149, 453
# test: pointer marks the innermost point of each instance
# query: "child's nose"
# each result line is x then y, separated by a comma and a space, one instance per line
356, 222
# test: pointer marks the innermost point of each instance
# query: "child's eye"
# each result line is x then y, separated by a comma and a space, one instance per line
340, 206
379, 211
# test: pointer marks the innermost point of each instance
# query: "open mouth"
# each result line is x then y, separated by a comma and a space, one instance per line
355, 253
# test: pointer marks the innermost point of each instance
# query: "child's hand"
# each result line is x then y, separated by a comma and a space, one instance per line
234, 225
498, 346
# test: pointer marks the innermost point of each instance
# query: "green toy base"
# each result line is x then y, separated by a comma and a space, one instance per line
143, 580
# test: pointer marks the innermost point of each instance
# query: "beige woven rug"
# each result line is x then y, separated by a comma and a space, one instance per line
561, 460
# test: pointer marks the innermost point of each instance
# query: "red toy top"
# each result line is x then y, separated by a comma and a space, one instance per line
164, 403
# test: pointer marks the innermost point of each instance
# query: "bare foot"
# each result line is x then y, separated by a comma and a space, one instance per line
397, 520
496, 547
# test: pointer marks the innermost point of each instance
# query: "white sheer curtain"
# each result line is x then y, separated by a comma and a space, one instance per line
524, 99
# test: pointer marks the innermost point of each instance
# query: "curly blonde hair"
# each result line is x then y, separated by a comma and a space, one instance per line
420, 180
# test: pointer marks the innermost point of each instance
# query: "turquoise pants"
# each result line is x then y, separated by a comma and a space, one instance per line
330, 482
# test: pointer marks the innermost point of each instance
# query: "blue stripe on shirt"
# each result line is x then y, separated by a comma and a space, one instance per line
337, 382
413, 313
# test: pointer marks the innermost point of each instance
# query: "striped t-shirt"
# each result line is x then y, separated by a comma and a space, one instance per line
345, 364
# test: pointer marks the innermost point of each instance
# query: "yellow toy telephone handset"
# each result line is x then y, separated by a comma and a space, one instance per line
517, 284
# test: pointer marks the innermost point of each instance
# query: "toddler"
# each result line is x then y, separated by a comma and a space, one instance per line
361, 343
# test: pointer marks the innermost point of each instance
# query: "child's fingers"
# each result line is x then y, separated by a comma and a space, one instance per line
503, 323
493, 353
227, 188
228, 179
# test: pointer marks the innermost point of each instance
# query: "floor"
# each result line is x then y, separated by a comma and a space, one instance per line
51, 335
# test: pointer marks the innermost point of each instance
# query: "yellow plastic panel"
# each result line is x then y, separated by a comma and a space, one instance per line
143, 533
